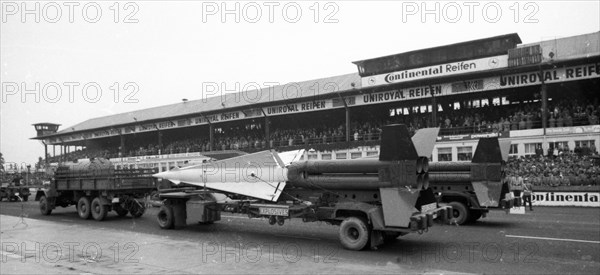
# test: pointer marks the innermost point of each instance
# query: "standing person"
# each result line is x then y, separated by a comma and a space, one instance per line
527, 193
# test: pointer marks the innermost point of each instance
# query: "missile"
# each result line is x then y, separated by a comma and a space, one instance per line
261, 175
264, 175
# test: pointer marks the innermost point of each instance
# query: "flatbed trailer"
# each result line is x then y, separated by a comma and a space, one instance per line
96, 188
362, 224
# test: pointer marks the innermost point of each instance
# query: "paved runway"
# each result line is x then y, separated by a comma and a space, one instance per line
547, 240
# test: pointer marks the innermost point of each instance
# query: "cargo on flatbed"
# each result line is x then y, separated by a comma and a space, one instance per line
95, 187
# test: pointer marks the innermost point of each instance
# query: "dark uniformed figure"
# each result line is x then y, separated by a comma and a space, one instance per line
527, 193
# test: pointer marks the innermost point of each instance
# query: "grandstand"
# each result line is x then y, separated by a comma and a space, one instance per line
541, 96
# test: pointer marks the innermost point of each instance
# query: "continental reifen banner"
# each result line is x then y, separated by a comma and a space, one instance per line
584, 199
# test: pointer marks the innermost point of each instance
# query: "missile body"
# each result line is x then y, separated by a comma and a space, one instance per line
264, 175
357, 174
259, 175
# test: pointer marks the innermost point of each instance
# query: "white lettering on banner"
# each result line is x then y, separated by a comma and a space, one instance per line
586, 199
403, 94
454, 68
573, 130
549, 76
298, 107
230, 116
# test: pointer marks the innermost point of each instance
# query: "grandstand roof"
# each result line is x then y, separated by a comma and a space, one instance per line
280, 93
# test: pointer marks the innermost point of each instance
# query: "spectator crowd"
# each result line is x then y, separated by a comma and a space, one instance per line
486, 119
566, 169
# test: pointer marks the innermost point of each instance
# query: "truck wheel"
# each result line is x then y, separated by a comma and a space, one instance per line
120, 210
98, 210
165, 217
83, 207
460, 213
354, 233
44, 206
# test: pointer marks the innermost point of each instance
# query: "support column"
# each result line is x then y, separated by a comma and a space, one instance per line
267, 132
46, 154
544, 91
160, 134
211, 140
347, 122
433, 111
122, 146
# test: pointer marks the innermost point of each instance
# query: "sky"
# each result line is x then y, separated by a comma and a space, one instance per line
66, 62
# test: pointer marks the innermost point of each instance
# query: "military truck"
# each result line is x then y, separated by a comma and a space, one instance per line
95, 187
14, 190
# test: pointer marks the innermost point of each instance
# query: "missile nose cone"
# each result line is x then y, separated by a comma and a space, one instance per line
161, 175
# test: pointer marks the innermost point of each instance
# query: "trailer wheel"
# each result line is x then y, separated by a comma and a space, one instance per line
98, 210
120, 210
165, 217
83, 207
460, 213
354, 233
44, 207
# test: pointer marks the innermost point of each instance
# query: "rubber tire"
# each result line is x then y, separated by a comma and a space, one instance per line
25, 198
120, 210
165, 217
44, 207
98, 210
84, 208
354, 233
460, 213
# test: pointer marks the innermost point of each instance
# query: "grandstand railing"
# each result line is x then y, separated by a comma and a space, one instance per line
324, 142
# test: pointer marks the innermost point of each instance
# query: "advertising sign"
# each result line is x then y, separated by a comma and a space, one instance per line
584, 199
454, 68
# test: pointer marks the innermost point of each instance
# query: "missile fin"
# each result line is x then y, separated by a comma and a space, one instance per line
396, 144
277, 158
488, 150
424, 141
504, 148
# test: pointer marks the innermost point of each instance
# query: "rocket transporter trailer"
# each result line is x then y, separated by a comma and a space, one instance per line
372, 200
95, 187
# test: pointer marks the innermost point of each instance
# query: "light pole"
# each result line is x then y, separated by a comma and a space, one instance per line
28, 171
